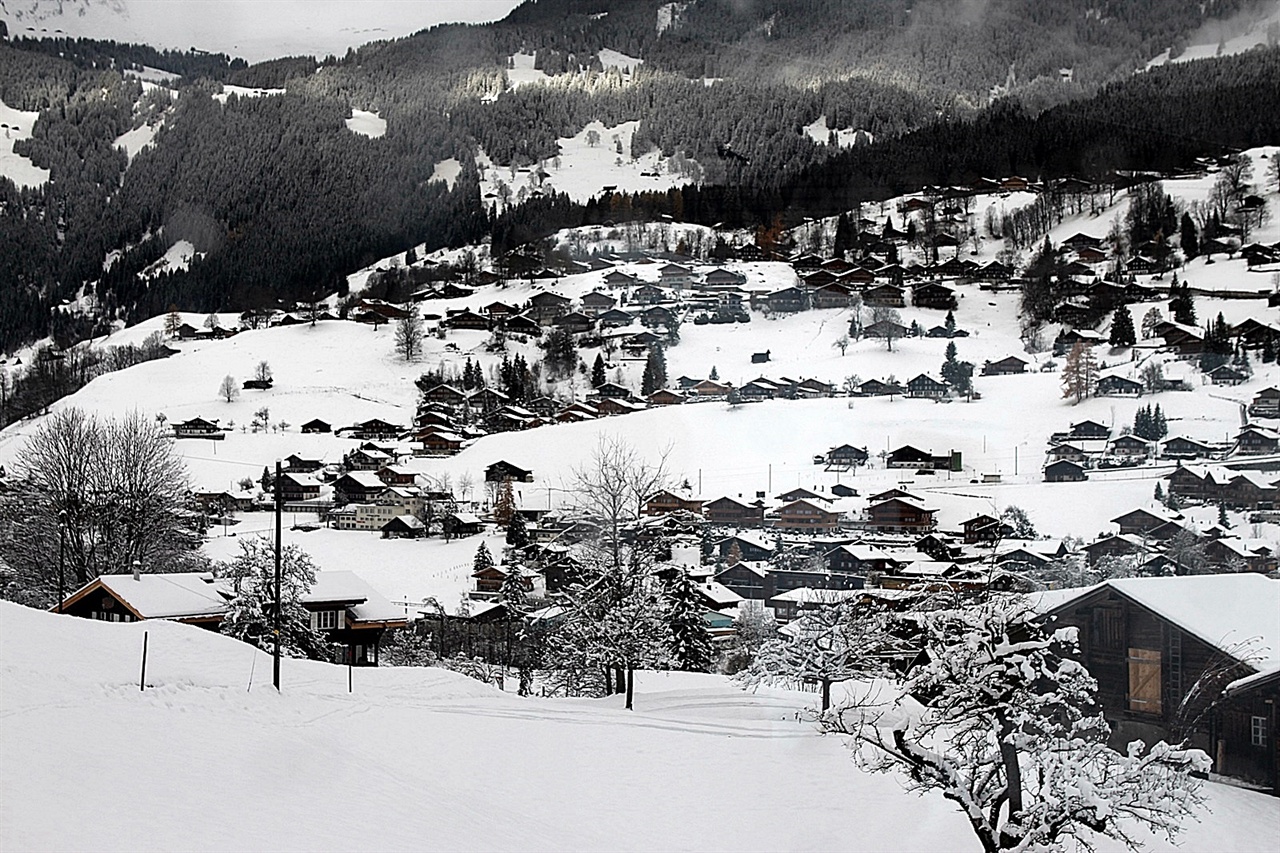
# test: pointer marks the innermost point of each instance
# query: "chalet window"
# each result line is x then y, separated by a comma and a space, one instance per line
1258, 731
326, 620
1108, 627
1144, 681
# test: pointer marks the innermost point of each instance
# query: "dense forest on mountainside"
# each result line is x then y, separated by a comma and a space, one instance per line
281, 200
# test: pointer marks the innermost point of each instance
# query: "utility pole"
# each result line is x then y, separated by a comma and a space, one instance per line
62, 550
279, 501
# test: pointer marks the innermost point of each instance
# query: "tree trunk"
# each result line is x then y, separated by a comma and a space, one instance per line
631, 683
1012, 832
826, 694
619, 680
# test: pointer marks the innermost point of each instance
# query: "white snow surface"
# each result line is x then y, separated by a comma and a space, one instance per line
16, 167
366, 123
414, 752
613, 59
176, 257
251, 29
447, 171
1243, 32
584, 169
244, 92
142, 137
819, 132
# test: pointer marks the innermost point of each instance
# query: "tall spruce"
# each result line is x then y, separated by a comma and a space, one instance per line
690, 640
1122, 331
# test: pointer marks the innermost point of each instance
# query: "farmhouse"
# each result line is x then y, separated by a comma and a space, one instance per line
901, 515
731, 512
927, 387
1254, 440
1119, 386
1004, 367
1163, 649
804, 516
503, 470
667, 501
1064, 471
1266, 404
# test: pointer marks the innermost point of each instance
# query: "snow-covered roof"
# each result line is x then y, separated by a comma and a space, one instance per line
719, 593
364, 602
809, 595
168, 595
1238, 614
366, 479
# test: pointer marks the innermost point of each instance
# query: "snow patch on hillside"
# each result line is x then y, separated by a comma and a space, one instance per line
447, 171
520, 71
244, 92
366, 123
178, 257
846, 137
1257, 26
133, 142
19, 169
595, 158
669, 15
622, 62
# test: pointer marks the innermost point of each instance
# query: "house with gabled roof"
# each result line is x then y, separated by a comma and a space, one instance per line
1164, 650
732, 512
927, 387
901, 515
1005, 366
1254, 440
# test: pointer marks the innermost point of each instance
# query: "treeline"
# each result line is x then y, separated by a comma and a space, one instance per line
107, 55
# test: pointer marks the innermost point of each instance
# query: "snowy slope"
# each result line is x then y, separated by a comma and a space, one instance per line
250, 29
15, 167
424, 759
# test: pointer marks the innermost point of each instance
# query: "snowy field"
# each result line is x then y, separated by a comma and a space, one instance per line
209, 757
15, 167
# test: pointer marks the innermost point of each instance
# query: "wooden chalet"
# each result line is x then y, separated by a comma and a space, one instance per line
884, 329
316, 426
908, 457
545, 306
358, 487
404, 527
395, 475
788, 300
197, 428
459, 524
439, 442
1064, 471
1266, 404
295, 462
297, 487
1067, 451
341, 605
596, 303
1120, 386
1225, 374
750, 546
1253, 440
373, 429
1140, 522
1089, 430
1181, 447
446, 395
900, 515
665, 397
927, 387
503, 470
522, 324
933, 295
467, 319
575, 322
1004, 367
877, 388
666, 501
731, 512
886, 295
846, 455
984, 528
833, 295
1130, 446
710, 388
1166, 650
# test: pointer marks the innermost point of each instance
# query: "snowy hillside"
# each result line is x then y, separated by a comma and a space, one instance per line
17, 126
424, 759
243, 28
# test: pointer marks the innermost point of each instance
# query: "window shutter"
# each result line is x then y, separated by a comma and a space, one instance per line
315, 620
1144, 681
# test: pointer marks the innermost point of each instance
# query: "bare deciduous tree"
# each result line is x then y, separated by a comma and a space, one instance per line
229, 390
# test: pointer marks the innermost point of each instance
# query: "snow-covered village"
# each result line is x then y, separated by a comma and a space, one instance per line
625, 425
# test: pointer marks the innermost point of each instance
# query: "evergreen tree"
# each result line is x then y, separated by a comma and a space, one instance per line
504, 506
251, 611
1190, 239
715, 374
268, 479
512, 591
655, 371
690, 641
950, 323
517, 531
1182, 306
958, 373
483, 559
1268, 350
1159, 427
597, 371
844, 236
1142, 422
1122, 332
1159, 494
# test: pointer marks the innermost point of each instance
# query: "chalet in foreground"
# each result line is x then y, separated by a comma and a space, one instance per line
342, 605
1164, 650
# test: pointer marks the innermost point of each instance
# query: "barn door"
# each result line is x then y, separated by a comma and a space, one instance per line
1144, 681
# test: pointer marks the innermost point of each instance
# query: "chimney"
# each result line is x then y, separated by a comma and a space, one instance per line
137, 570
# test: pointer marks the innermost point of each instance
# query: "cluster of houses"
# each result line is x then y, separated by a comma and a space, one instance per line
1089, 444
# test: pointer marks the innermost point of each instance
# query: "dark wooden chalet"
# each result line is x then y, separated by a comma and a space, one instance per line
375, 429
1165, 649
847, 455
457, 524
1120, 386
984, 528
544, 307
1266, 404
933, 295
297, 463
665, 397
575, 322
1088, 430
1130, 445
927, 387
900, 515
1140, 522
1064, 471
297, 487
467, 319
909, 457
196, 428
731, 512
666, 501
1005, 366
596, 303
358, 487
888, 295
404, 527
316, 426
788, 300
503, 470
614, 318
1181, 447
876, 388
1253, 440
